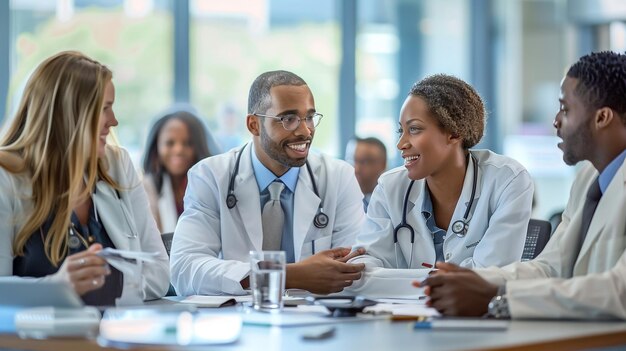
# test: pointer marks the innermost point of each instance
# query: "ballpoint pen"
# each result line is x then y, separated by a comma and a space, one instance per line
407, 318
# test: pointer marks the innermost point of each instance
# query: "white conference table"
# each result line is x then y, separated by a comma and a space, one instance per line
387, 335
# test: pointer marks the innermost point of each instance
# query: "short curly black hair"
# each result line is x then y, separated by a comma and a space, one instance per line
455, 104
601, 81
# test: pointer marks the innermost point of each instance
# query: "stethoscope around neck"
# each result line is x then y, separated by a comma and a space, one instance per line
459, 227
75, 240
319, 221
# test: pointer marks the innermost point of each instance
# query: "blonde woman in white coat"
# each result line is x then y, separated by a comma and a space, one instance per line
447, 203
66, 194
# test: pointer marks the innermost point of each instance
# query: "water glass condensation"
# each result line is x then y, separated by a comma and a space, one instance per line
267, 279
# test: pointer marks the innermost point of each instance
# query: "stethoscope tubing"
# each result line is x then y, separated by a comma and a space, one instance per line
464, 221
319, 221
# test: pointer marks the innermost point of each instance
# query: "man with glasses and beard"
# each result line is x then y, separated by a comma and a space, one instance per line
271, 194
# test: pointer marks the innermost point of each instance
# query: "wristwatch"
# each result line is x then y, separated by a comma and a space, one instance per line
499, 306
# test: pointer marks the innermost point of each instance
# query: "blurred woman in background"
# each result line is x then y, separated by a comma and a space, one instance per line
177, 141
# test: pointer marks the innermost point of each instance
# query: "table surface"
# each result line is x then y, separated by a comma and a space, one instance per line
387, 335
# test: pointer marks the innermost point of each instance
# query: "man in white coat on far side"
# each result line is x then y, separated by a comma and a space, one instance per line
320, 210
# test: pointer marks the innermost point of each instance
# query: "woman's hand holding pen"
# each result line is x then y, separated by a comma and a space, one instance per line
84, 271
457, 291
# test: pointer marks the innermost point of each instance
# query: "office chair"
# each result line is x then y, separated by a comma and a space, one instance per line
167, 241
537, 236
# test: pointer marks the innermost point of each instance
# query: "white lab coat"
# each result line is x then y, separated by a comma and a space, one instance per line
212, 242
163, 205
560, 283
495, 236
127, 218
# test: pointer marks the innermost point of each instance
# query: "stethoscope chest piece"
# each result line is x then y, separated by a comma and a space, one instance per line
459, 228
321, 220
231, 201
73, 242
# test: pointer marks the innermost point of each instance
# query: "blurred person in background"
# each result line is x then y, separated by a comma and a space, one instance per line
230, 131
369, 158
176, 142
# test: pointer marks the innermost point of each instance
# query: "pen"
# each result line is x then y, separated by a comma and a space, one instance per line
427, 265
463, 324
407, 318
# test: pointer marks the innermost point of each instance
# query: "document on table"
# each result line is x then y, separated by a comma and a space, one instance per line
380, 282
299, 316
416, 309
130, 264
216, 301
228, 300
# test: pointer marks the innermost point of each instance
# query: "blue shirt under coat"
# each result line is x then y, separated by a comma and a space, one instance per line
609, 172
264, 177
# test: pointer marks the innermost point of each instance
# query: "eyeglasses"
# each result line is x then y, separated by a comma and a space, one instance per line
291, 122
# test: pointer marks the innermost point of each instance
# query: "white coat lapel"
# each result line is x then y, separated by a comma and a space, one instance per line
110, 213
606, 208
305, 204
249, 199
468, 183
167, 206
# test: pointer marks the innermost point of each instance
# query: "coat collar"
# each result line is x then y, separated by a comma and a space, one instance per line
306, 202
464, 199
248, 197
114, 218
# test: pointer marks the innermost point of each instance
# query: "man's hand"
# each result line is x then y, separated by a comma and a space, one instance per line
325, 272
457, 291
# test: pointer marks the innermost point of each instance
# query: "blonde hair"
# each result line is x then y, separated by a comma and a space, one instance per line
53, 139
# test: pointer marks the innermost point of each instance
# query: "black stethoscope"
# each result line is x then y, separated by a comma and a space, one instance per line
459, 227
319, 221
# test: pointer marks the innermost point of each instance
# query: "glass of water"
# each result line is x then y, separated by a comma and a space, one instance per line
267, 279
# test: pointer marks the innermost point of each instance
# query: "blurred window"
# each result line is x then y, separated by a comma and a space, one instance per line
440, 44
234, 41
132, 37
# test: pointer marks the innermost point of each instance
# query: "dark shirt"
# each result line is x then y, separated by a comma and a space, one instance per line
34, 263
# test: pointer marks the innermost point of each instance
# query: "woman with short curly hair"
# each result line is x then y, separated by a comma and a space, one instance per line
448, 203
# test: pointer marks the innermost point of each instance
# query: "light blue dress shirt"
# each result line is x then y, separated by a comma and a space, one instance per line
609, 172
264, 177
439, 235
